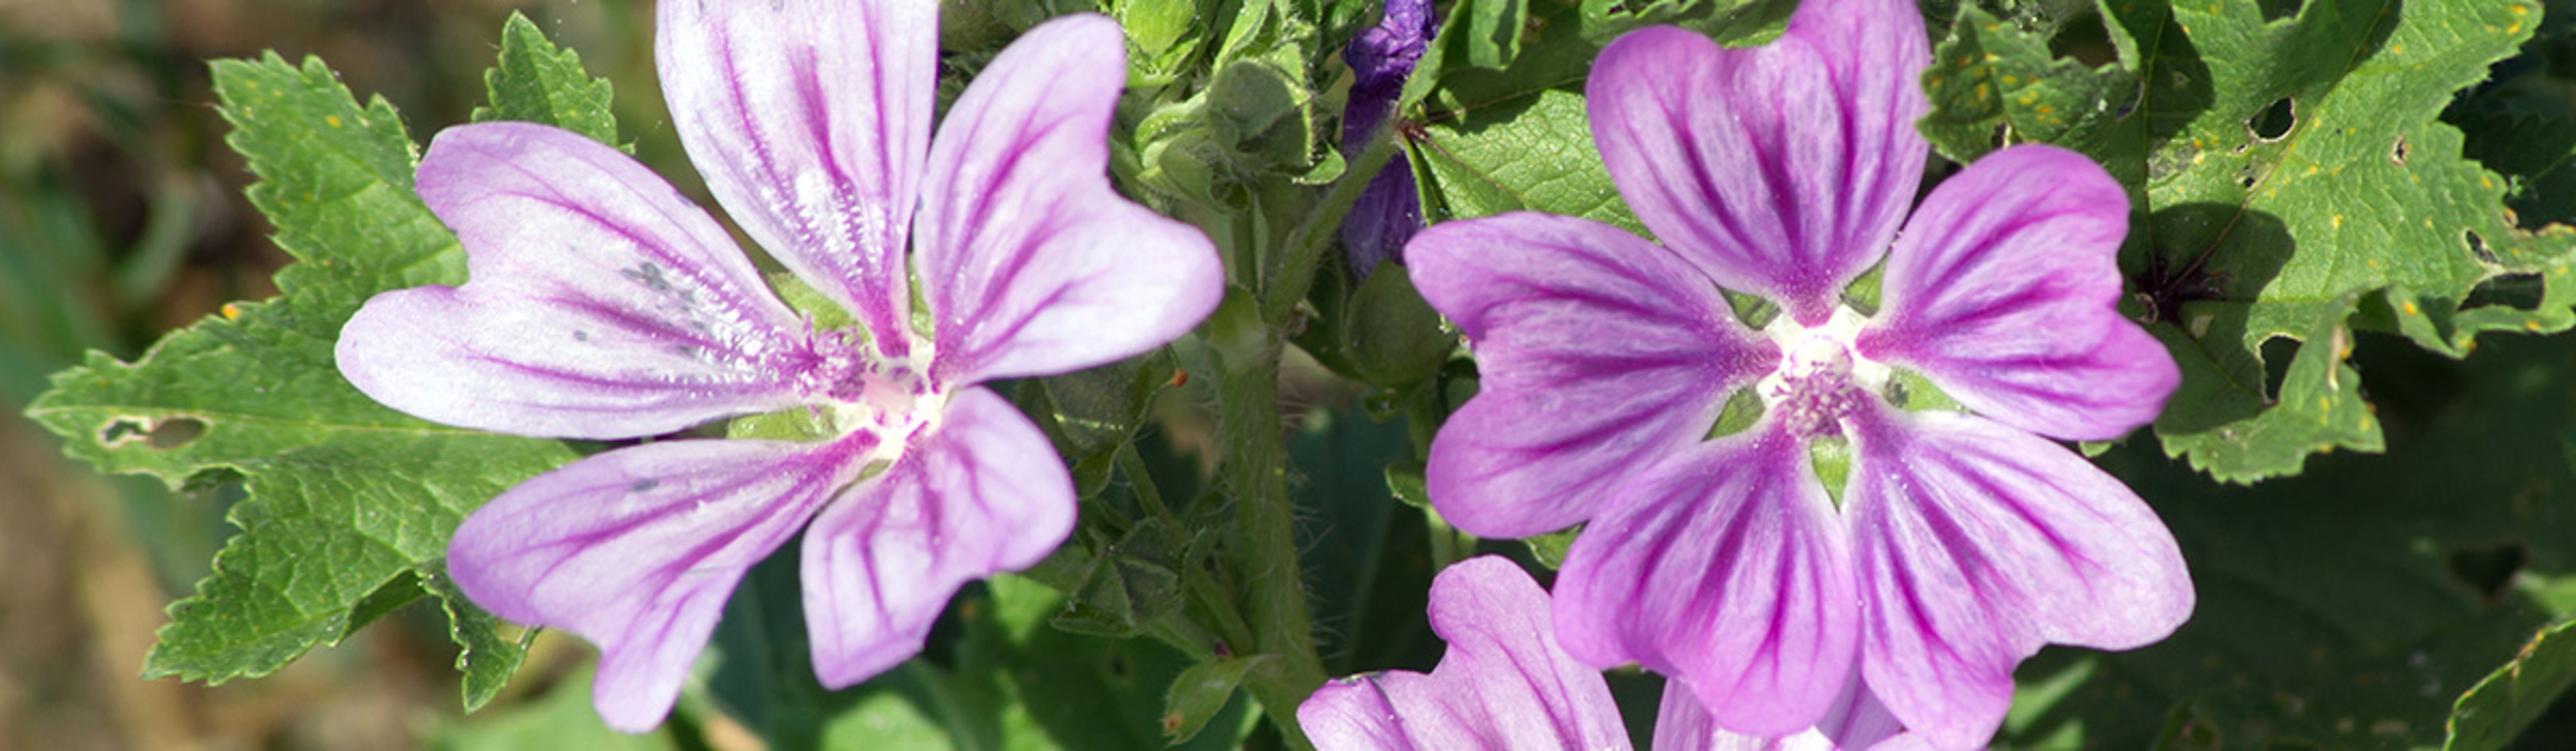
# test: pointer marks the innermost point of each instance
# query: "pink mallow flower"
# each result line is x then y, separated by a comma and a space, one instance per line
1506, 685
1961, 542
602, 305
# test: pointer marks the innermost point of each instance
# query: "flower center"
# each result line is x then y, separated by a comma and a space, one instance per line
863, 390
1820, 381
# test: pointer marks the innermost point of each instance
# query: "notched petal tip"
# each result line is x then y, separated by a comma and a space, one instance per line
985, 493
2004, 291
1600, 352
1727, 568
1780, 170
1504, 683
637, 549
599, 304
1977, 543
1030, 262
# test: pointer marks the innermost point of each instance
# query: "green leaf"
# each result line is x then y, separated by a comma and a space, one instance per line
345, 496
2349, 606
1515, 155
1007, 681
2297, 185
563, 718
540, 83
1489, 30
2498, 708
1995, 77
1201, 691
1517, 138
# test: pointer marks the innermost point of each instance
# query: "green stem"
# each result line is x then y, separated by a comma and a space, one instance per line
1255, 469
1296, 270
1274, 597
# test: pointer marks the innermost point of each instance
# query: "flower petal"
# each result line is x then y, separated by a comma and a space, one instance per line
600, 304
984, 493
1855, 720
809, 119
1598, 350
1780, 170
1726, 569
1504, 684
637, 549
2003, 290
1976, 543
1030, 262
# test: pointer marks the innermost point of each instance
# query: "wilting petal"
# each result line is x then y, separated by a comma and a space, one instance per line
1029, 261
809, 119
1598, 350
1976, 543
1503, 685
984, 493
1855, 720
1387, 214
2003, 290
1781, 170
638, 548
1724, 568
600, 304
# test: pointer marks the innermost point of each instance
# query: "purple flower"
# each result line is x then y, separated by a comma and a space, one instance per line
1506, 684
1389, 210
1960, 543
602, 305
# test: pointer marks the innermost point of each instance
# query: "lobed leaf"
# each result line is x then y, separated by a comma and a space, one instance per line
350, 503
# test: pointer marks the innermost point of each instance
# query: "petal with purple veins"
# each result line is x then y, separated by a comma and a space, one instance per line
599, 303
1504, 684
1855, 720
1976, 543
637, 549
1724, 568
810, 119
984, 492
2004, 291
1780, 170
1030, 262
1599, 352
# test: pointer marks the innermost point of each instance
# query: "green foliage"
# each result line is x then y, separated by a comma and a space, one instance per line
2295, 184
1003, 679
350, 503
540, 83
2498, 708
2349, 607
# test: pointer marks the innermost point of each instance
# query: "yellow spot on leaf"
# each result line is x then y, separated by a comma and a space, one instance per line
231, 311
2338, 221
2531, 325
334, 120
2412, 310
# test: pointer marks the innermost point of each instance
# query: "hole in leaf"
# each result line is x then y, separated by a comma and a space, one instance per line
2478, 245
2397, 151
161, 435
2274, 10
2277, 353
2517, 291
2490, 568
2274, 121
